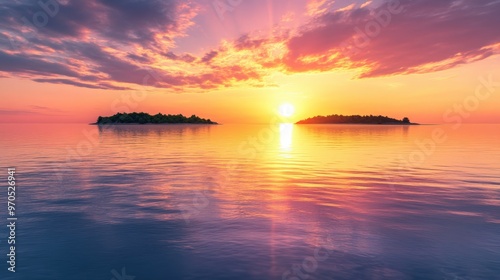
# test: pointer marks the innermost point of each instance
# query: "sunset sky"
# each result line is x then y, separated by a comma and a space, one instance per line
237, 61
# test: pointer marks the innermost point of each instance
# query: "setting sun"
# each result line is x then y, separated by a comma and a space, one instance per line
286, 110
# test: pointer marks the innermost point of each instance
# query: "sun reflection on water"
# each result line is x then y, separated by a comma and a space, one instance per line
286, 133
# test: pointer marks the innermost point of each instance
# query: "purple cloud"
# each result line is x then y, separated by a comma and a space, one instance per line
121, 44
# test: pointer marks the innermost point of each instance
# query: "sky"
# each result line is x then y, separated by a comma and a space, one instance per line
238, 61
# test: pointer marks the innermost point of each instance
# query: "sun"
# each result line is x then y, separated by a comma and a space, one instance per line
286, 110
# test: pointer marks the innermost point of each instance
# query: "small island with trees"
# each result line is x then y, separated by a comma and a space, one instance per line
145, 118
356, 119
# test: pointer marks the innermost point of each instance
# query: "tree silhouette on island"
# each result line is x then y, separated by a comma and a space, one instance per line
356, 119
145, 118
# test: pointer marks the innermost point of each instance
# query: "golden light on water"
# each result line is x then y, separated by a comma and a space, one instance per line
286, 132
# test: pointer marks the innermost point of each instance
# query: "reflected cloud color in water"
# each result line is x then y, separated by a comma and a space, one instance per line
192, 202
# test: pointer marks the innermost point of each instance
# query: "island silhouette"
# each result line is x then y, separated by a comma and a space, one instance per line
356, 119
145, 118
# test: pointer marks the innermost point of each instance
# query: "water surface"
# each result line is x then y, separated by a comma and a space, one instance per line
254, 201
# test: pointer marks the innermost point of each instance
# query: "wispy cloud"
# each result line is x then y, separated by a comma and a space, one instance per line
17, 112
100, 85
33, 110
46, 109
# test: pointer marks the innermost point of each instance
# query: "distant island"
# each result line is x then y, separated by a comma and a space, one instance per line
145, 118
355, 119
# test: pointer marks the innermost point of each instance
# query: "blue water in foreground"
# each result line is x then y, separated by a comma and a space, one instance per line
252, 202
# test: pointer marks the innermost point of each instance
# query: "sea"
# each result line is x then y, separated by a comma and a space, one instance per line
266, 201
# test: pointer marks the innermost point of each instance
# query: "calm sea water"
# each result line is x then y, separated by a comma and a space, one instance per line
253, 202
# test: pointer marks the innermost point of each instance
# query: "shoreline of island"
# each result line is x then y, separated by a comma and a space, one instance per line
356, 119
151, 124
147, 119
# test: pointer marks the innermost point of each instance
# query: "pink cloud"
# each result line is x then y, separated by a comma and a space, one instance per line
425, 33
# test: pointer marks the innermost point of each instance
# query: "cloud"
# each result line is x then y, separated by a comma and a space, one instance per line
185, 57
425, 36
8, 112
146, 22
48, 111
397, 37
44, 108
124, 44
209, 56
79, 84
33, 65
33, 110
109, 44
317, 6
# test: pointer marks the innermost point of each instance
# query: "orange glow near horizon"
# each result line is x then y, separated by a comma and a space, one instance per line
237, 67
422, 98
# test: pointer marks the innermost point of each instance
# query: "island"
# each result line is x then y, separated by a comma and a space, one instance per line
356, 119
145, 118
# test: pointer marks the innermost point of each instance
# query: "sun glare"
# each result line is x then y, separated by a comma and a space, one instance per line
286, 110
